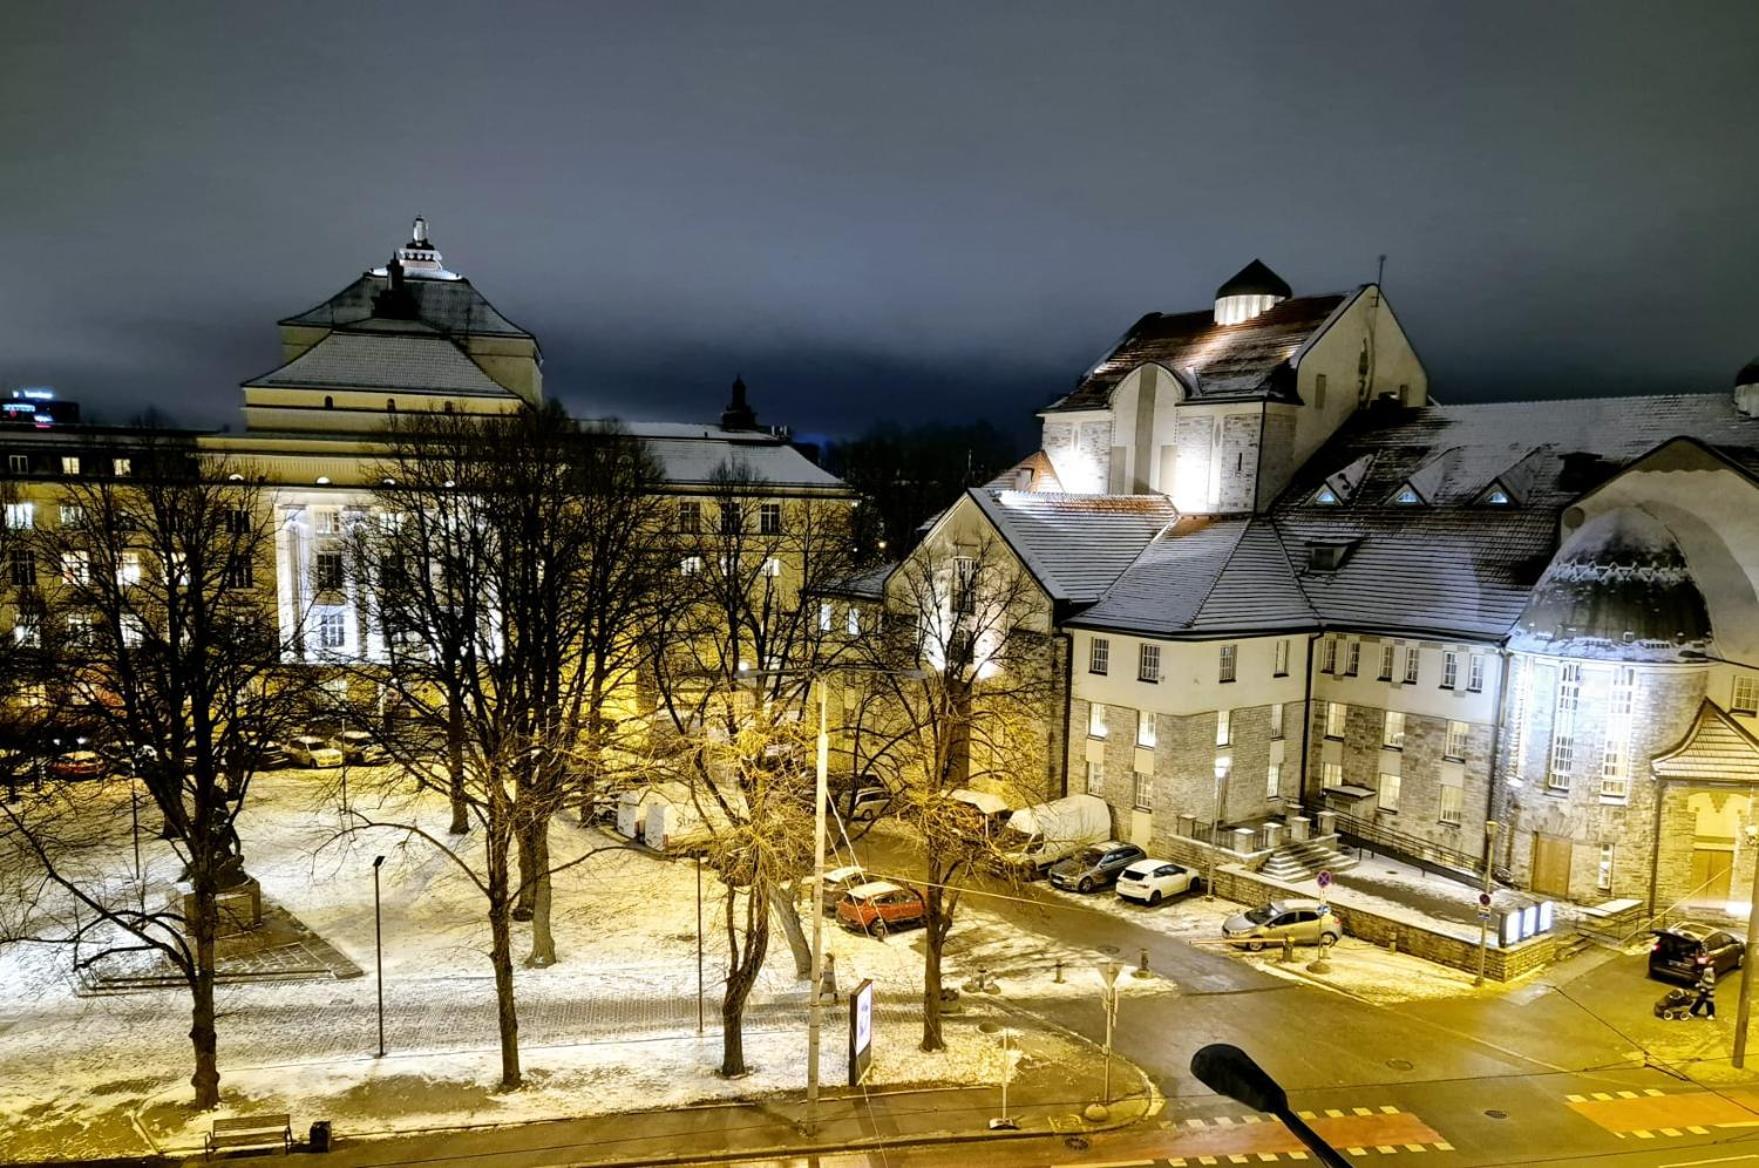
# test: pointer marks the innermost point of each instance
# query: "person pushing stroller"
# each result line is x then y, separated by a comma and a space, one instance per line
1706, 999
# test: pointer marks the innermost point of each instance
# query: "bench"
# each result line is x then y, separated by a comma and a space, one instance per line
251, 1131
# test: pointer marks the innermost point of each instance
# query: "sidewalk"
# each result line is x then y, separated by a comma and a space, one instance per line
1046, 1097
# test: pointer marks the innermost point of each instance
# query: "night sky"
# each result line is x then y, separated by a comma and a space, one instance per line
942, 210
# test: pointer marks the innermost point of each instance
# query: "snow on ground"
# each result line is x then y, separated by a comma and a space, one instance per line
626, 931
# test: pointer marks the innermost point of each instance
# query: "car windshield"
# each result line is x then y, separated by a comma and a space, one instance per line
1262, 913
1092, 856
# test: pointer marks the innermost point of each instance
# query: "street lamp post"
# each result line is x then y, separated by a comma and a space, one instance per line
379, 954
1222, 765
820, 796
1109, 971
699, 943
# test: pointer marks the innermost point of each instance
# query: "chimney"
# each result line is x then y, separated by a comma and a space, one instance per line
738, 415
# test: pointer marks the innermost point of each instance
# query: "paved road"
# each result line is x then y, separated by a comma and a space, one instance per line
1551, 1073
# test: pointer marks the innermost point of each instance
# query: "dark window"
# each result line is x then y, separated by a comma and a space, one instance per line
390, 405
769, 519
690, 518
237, 521
732, 519
329, 571
240, 572
24, 567
329, 402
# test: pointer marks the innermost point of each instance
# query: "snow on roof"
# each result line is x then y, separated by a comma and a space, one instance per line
695, 460
1074, 545
384, 360
452, 306
1715, 747
873, 888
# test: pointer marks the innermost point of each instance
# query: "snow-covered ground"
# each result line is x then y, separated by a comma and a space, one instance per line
610, 1027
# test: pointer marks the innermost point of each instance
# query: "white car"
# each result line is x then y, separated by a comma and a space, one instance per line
359, 746
1152, 881
311, 751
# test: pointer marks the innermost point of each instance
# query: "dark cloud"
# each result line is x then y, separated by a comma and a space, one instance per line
938, 210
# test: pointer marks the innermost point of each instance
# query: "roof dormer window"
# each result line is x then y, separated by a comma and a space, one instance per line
1407, 496
1497, 497
1326, 497
1329, 556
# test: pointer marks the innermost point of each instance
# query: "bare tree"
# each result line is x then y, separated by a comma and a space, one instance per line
485, 577
151, 602
962, 695
737, 652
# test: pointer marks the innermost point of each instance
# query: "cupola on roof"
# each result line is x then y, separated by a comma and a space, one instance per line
1618, 590
1252, 291
419, 258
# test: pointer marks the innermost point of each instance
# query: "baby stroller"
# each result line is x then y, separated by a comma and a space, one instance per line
1674, 1004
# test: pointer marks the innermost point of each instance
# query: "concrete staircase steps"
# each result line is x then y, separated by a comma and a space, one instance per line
1301, 860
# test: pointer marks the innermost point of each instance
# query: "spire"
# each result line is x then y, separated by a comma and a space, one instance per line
421, 260
738, 415
418, 234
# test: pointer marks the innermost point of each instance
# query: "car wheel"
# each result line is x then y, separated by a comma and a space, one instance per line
1255, 946
1328, 938
1154, 898
879, 929
1086, 884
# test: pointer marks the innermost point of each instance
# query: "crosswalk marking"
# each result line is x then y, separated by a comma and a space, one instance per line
1388, 1109
1627, 1094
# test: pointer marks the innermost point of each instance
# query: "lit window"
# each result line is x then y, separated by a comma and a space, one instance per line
1354, 659
1148, 663
133, 631
1413, 659
79, 628
1453, 803
1498, 497
1603, 873
1389, 791
1096, 720
1392, 732
852, 621
1455, 747
1614, 782
332, 630
324, 520
964, 584
1563, 728
1325, 497
72, 514
1328, 657
18, 463
21, 516
690, 565
824, 617
1099, 655
1624, 690
1145, 735
1229, 654
1336, 714
25, 632
1331, 774
76, 567
1386, 662
1096, 778
1280, 664
772, 567
1142, 791
1450, 670
128, 569
1407, 497
1745, 699
1276, 720
769, 518
1273, 780
1475, 673
690, 518
1224, 727
121, 467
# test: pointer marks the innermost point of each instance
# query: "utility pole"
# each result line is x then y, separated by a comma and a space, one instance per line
379, 954
1744, 1006
815, 1014
1490, 826
699, 942
1222, 765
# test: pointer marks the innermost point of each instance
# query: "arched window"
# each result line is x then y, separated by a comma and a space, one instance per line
447, 407
329, 402
390, 405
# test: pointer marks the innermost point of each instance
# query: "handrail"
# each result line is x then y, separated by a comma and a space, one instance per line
1415, 846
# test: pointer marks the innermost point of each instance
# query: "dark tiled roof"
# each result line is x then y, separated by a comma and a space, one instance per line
451, 306
1255, 279
1250, 359
1074, 545
869, 585
1032, 473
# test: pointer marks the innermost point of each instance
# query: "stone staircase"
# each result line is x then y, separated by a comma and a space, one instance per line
1301, 860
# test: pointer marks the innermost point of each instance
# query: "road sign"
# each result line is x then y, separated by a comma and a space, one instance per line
1325, 879
1484, 915
1484, 899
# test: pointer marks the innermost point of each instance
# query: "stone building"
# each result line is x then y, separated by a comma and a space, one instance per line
1408, 618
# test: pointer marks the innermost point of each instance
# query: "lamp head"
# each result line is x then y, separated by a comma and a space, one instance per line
377, 860
1228, 1070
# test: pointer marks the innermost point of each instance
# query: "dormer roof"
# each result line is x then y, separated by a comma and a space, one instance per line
1255, 279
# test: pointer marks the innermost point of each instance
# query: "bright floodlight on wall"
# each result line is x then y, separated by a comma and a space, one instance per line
323, 480
1223, 764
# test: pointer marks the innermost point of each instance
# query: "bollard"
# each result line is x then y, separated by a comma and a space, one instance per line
1319, 964
1059, 977
1141, 969
1288, 950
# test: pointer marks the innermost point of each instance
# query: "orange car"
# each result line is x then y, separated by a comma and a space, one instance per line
879, 907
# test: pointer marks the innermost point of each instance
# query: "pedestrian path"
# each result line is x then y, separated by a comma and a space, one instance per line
1358, 1131
1653, 1114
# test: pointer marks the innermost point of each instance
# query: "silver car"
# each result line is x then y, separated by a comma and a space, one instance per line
1306, 922
1094, 867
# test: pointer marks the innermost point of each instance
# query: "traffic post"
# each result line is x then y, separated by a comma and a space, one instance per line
1484, 902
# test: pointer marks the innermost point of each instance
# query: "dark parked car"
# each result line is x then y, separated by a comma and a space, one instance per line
1681, 952
1095, 867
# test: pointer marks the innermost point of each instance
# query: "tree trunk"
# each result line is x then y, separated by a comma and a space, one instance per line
501, 955
202, 1034
455, 764
932, 1039
787, 911
526, 839
543, 942
743, 965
